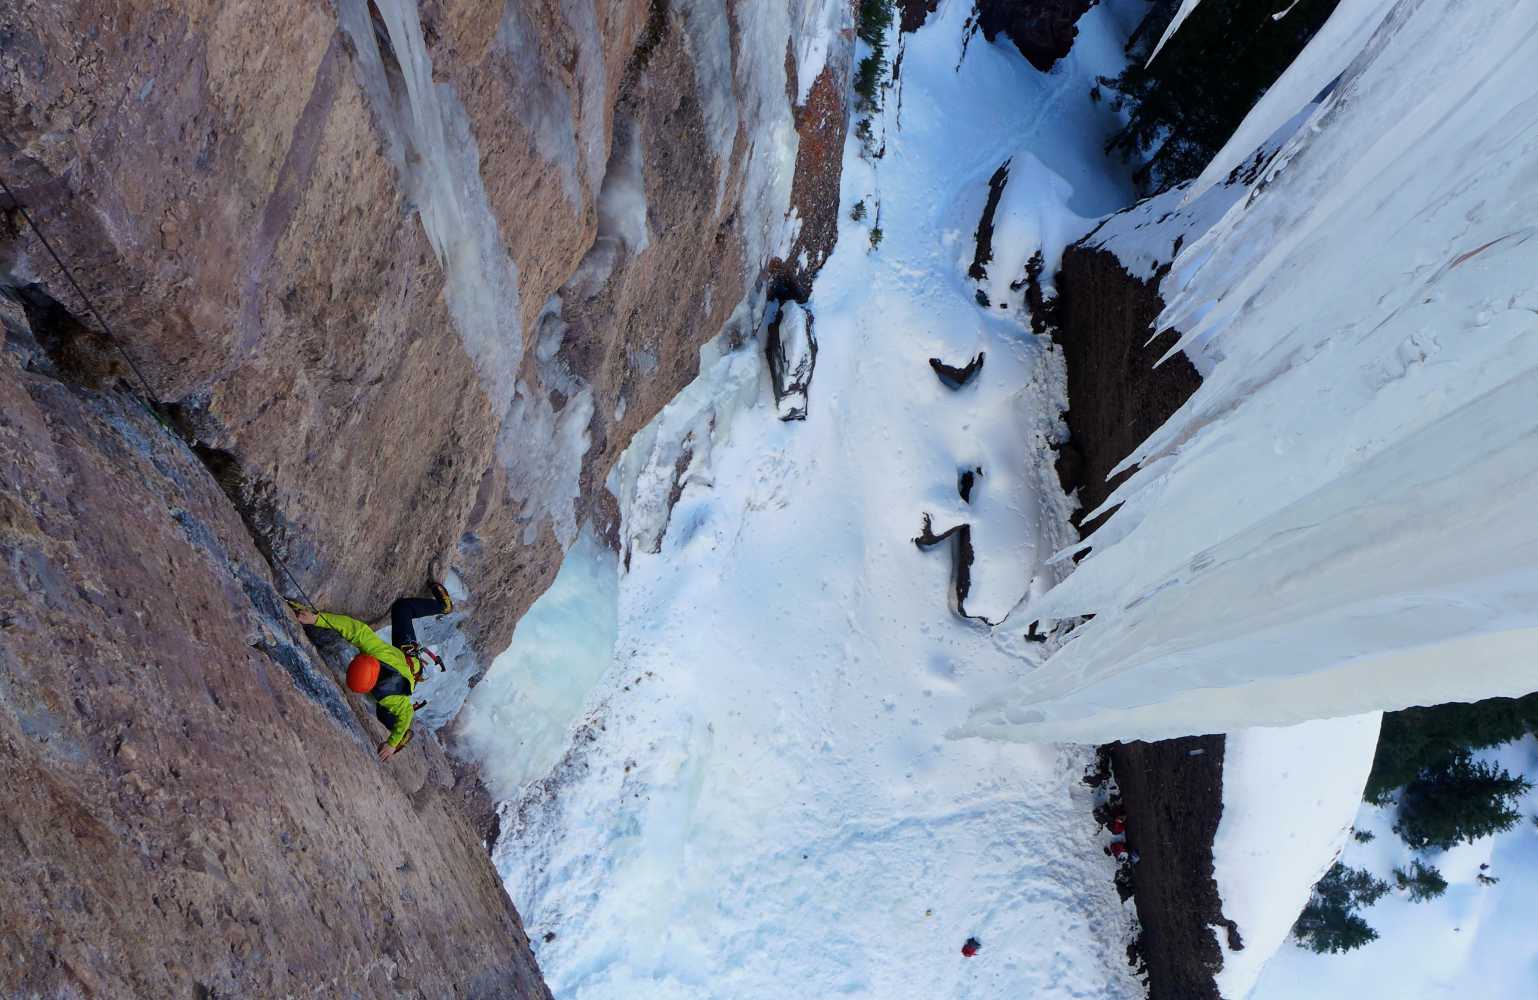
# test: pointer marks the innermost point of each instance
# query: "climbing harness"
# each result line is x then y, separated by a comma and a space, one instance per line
416, 657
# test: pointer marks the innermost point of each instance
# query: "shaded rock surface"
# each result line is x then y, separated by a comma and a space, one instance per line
1173, 799
983, 255
192, 803
913, 14
1043, 30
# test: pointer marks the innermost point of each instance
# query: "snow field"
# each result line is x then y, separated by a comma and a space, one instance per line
1289, 798
762, 795
1474, 941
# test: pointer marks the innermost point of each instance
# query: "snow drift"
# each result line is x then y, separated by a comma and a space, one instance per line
1340, 519
1289, 796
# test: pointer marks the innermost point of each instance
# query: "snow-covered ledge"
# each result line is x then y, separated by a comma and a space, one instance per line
1289, 797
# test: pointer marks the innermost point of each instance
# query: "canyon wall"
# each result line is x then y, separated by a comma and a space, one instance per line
416, 273
404, 279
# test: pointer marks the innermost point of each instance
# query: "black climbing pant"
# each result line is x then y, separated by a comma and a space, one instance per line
407, 609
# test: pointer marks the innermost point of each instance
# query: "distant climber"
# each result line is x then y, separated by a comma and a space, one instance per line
391, 689
1119, 850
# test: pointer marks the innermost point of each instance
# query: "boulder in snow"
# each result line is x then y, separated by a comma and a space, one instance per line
792, 350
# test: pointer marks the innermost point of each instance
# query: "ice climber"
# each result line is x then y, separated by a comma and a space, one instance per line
391, 689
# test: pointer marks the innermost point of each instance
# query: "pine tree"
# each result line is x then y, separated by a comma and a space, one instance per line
1329, 922
1420, 738
875, 17
1188, 101
1460, 799
1424, 881
1331, 929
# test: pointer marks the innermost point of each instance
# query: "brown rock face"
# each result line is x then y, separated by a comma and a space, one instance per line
913, 13
192, 808
822, 125
416, 271
407, 276
1043, 30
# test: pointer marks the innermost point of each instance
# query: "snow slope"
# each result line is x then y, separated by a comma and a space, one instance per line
1339, 520
1475, 941
762, 797
1289, 798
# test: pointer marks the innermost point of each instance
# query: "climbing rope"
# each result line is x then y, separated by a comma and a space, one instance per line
154, 403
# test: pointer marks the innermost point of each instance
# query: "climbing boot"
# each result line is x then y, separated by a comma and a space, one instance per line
442, 594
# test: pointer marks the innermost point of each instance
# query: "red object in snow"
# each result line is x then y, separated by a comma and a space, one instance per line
1118, 825
970, 948
1117, 849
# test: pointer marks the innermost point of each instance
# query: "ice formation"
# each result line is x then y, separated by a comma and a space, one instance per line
435, 151
518, 720
1340, 519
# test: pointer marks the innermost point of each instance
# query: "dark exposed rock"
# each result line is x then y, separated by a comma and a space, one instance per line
74, 349
1043, 30
953, 377
962, 555
1173, 799
1042, 309
914, 13
978, 271
792, 351
1174, 802
1116, 397
965, 481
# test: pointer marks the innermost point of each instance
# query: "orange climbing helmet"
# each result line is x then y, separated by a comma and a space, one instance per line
362, 673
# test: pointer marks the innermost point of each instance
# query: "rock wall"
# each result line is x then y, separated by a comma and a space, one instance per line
1043, 30
416, 272
192, 807
406, 276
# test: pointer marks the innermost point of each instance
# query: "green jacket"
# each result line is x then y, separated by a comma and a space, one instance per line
397, 706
